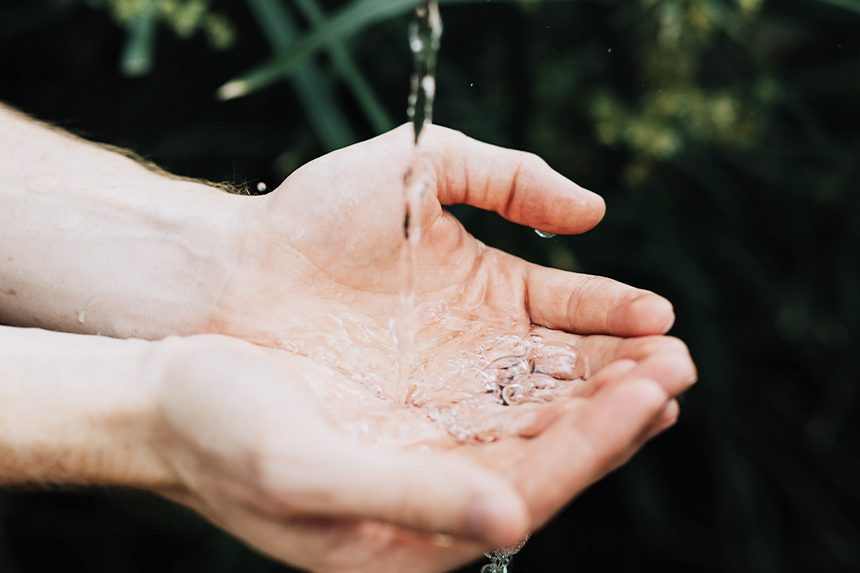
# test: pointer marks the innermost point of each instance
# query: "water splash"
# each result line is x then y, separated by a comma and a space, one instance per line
500, 559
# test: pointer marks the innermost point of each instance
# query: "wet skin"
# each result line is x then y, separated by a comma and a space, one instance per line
318, 278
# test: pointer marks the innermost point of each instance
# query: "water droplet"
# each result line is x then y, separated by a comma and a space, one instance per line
609, 51
428, 84
416, 44
471, 84
82, 316
543, 234
261, 187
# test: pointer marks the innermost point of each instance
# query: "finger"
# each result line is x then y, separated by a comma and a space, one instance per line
602, 350
674, 371
587, 304
439, 493
656, 369
356, 546
586, 444
668, 418
519, 186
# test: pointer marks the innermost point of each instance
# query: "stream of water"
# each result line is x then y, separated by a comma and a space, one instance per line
425, 34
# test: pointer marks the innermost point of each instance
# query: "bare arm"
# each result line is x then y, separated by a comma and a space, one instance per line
76, 410
93, 241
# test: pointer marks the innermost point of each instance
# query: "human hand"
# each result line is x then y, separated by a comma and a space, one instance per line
254, 451
318, 272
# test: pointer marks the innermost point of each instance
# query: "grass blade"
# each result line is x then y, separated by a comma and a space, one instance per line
342, 25
315, 93
137, 56
349, 71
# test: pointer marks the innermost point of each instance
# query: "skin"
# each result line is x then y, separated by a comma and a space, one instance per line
251, 436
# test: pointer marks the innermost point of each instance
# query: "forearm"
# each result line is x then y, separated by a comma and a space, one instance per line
78, 410
93, 241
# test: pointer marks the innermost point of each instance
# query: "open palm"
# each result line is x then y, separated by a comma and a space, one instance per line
320, 276
257, 452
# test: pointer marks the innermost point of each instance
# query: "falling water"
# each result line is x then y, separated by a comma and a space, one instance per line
500, 559
425, 33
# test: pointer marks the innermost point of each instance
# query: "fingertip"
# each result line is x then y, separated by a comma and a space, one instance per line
650, 313
668, 418
674, 370
586, 209
671, 413
499, 516
596, 203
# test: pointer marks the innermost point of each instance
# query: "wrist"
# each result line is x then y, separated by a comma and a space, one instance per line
101, 399
204, 231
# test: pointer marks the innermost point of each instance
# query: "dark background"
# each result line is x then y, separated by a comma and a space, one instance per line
725, 137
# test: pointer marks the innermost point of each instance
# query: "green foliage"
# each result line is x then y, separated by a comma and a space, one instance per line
185, 17
673, 108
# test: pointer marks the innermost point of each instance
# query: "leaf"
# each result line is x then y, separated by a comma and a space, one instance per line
349, 71
345, 23
339, 27
329, 124
138, 53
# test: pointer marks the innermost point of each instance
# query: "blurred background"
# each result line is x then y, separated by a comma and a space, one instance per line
724, 135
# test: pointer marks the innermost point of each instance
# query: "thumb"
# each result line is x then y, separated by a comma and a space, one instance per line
428, 491
519, 186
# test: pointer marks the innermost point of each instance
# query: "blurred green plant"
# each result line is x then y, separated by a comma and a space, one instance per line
675, 105
184, 17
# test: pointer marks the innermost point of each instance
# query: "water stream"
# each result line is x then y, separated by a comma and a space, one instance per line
425, 34
517, 378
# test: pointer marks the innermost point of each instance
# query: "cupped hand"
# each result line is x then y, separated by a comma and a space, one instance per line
254, 450
318, 274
